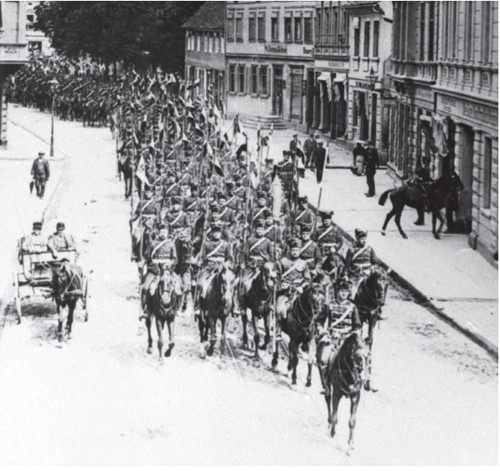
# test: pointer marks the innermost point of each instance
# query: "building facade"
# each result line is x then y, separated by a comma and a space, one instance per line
269, 60
38, 43
205, 50
328, 91
13, 52
370, 33
445, 86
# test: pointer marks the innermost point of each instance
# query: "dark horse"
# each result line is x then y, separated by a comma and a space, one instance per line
414, 197
125, 169
68, 285
258, 297
162, 306
344, 377
299, 326
216, 305
369, 299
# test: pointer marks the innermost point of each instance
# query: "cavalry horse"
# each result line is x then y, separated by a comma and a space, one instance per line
68, 286
216, 305
299, 326
344, 377
257, 296
162, 306
414, 197
369, 299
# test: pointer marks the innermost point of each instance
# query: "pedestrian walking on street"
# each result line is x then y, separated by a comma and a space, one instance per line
40, 173
294, 143
371, 165
358, 159
309, 147
319, 158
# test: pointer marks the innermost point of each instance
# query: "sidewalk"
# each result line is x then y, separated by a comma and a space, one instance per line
454, 281
21, 208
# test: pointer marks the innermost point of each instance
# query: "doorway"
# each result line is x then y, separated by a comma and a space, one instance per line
278, 90
464, 214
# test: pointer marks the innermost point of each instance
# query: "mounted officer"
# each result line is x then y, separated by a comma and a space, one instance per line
215, 251
326, 235
302, 216
309, 250
176, 219
333, 326
148, 207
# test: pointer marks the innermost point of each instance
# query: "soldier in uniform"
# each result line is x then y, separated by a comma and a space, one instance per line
40, 173
150, 207
327, 235
226, 215
176, 218
260, 250
191, 203
294, 274
302, 216
171, 188
233, 201
270, 228
215, 250
309, 250
60, 240
161, 257
333, 325
260, 207
360, 259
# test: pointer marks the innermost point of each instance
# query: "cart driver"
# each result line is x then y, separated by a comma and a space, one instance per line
35, 242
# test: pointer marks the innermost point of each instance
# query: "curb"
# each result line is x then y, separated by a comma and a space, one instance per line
426, 302
64, 159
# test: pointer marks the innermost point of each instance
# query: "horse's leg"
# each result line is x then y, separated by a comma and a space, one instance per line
244, 321
441, 221
213, 339
352, 419
69, 322
389, 216
398, 223
256, 336
201, 326
223, 334
309, 364
171, 335
267, 336
334, 412
369, 341
159, 329
434, 218
150, 338
60, 319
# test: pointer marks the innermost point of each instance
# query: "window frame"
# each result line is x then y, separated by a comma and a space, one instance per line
289, 23
254, 80
366, 38
252, 29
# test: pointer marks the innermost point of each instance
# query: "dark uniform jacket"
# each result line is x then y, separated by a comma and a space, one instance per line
371, 161
176, 220
326, 237
310, 253
360, 258
342, 317
216, 249
163, 250
293, 272
259, 247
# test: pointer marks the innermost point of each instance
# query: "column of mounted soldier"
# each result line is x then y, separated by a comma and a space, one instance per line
215, 220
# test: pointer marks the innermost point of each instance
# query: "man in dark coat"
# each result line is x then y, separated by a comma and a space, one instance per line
40, 173
371, 165
319, 159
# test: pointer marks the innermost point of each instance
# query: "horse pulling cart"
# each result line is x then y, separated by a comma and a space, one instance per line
43, 275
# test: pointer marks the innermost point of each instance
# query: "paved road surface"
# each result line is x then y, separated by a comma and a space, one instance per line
101, 400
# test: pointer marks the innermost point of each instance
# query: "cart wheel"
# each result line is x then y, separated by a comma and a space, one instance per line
17, 297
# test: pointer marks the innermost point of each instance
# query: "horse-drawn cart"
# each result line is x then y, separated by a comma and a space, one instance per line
34, 277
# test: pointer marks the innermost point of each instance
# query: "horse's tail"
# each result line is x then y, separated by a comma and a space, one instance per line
383, 197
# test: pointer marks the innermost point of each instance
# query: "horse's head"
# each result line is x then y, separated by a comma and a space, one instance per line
380, 281
166, 288
225, 279
269, 274
357, 351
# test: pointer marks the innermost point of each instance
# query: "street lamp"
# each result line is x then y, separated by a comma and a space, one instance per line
53, 87
372, 79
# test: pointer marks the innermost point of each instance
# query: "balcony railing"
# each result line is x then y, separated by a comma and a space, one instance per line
415, 69
331, 50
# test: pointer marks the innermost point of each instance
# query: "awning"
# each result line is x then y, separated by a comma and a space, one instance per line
340, 77
324, 76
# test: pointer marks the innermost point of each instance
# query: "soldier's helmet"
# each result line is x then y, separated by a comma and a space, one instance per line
344, 285
294, 244
359, 233
60, 226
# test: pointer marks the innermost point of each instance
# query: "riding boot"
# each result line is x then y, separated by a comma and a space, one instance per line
144, 311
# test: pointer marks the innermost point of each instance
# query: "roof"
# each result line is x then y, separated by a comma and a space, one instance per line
210, 17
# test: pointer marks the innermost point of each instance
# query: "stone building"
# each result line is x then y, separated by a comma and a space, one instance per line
205, 49
38, 43
269, 61
13, 52
327, 91
370, 32
445, 85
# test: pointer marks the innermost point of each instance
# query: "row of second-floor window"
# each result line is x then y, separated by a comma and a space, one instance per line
251, 80
473, 42
205, 42
368, 32
297, 28
332, 26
